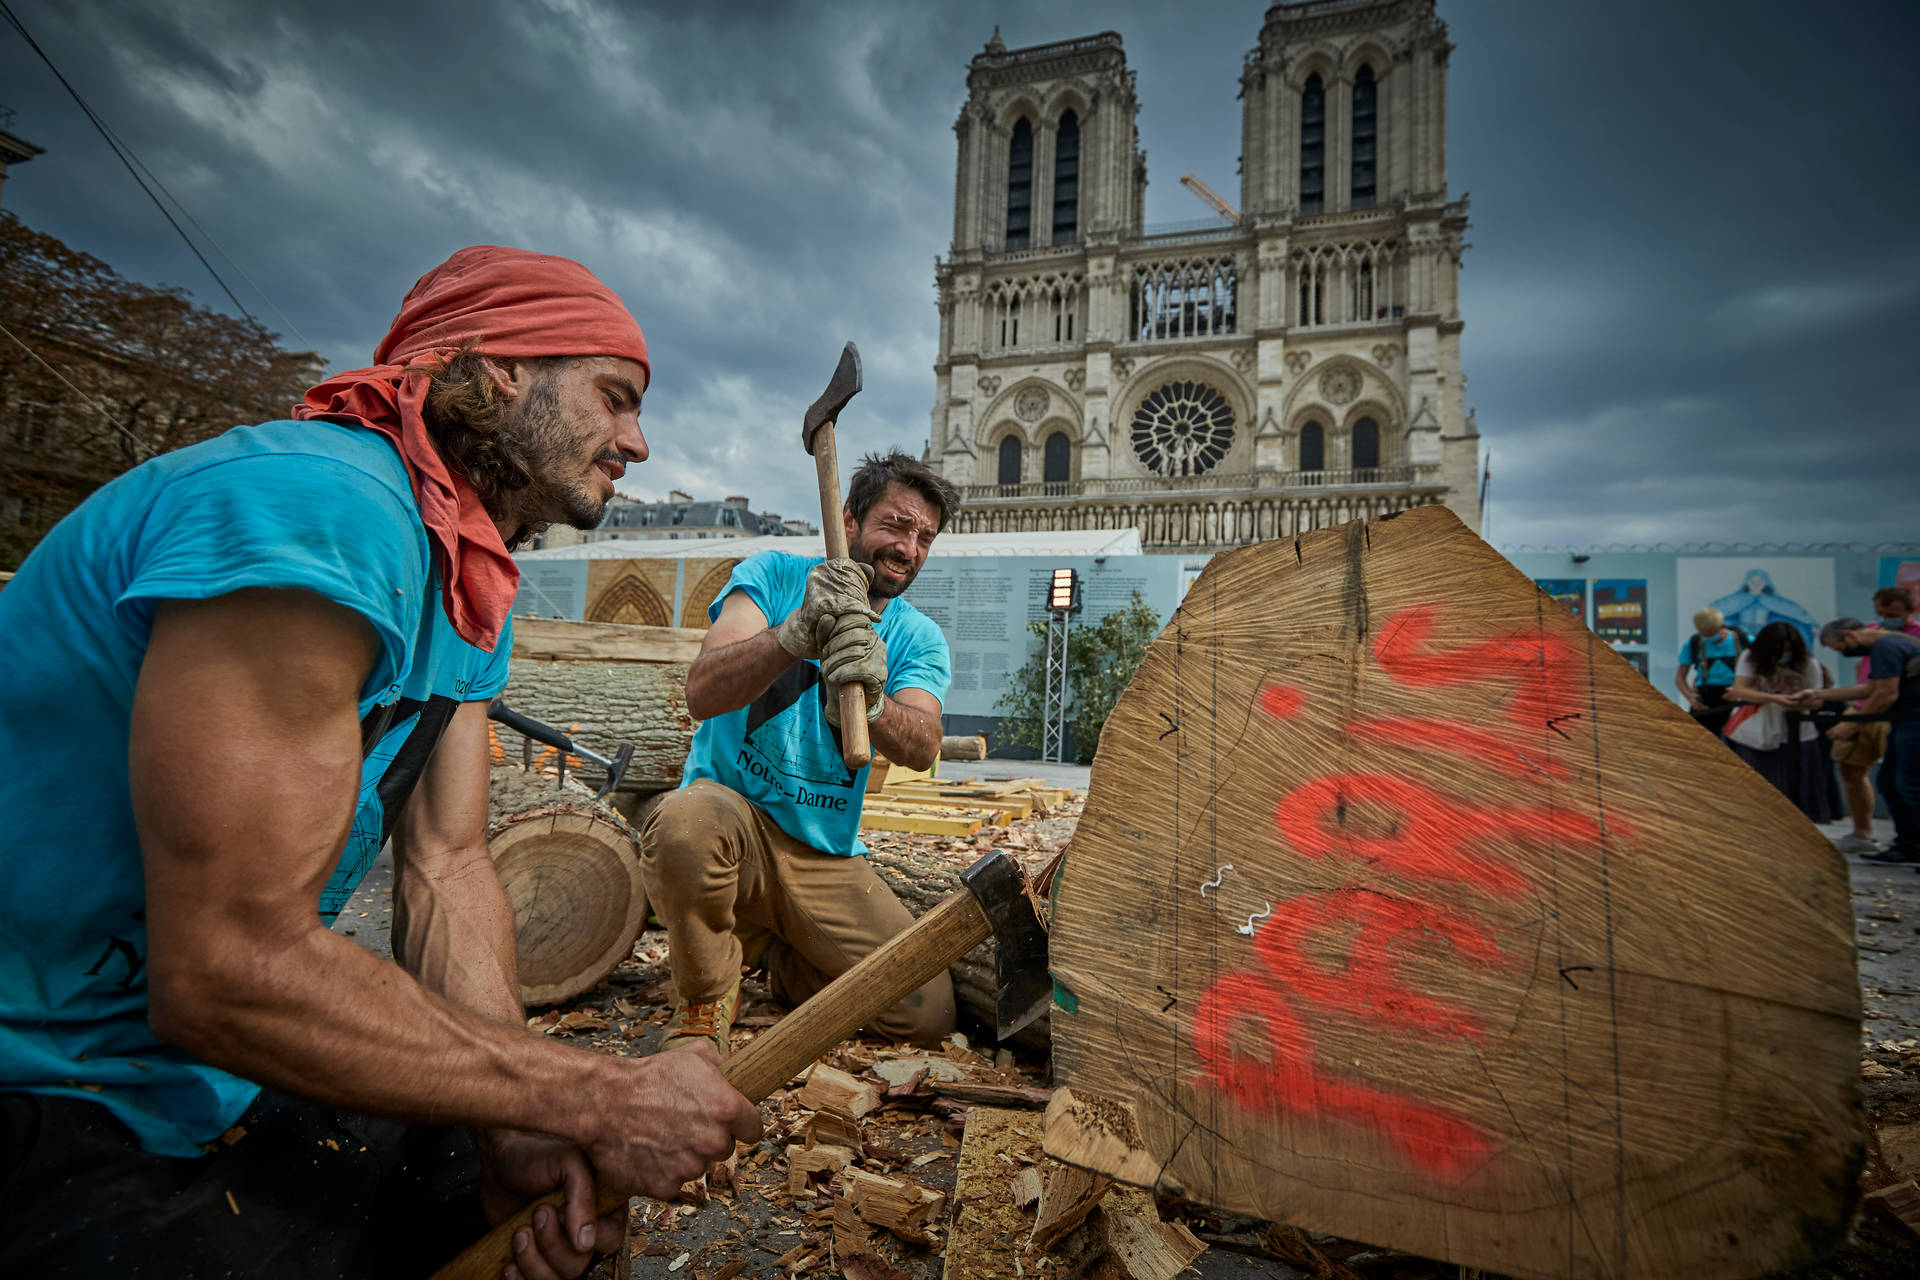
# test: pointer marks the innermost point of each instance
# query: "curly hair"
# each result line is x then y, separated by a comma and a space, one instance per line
466, 415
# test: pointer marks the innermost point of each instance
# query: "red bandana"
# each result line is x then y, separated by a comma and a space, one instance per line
504, 302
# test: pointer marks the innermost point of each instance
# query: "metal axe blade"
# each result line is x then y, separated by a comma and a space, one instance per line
1024, 987
843, 387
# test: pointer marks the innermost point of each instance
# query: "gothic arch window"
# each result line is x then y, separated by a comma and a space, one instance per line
1057, 462
1010, 460
1366, 127
1366, 444
1066, 180
1183, 428
1313, 147
1184, 298
1313, 447
1020, 186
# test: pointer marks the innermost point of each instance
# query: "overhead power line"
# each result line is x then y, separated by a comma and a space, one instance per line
138, 444
126, 156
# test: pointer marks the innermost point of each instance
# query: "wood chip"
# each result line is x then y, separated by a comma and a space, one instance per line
831, 1087
1899, 1206
1069, 1195
1147, 1249
804, 1162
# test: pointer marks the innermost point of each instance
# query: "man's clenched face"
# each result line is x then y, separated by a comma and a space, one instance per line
578, 420
894, 538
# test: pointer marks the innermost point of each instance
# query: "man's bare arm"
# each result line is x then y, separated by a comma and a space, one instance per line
739, 660
908, 728
245, 765
452, 925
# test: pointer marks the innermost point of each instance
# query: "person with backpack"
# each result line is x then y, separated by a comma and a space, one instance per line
1706, 671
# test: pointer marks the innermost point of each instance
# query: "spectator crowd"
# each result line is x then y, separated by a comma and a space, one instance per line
1781, 710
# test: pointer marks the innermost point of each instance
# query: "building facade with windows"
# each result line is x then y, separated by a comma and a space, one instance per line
678, 519
1290, 364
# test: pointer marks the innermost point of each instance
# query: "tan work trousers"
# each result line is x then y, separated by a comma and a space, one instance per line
714, 862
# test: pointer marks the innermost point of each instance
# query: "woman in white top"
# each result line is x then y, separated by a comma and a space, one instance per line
1776, 666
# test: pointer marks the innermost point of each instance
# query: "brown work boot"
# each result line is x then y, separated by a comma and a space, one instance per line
697, 1020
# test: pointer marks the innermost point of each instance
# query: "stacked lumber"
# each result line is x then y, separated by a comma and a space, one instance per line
929, 806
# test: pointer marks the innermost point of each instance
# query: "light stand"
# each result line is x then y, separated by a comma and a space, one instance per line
1063, 601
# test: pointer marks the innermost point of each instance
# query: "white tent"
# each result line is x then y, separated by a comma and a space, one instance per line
1057, 544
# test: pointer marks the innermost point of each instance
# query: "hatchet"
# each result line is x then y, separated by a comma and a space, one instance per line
999, 902
816, 433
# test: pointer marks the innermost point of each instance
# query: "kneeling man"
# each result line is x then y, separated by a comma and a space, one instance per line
757, 858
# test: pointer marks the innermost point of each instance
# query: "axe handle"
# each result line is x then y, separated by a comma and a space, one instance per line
855, 750
897, 968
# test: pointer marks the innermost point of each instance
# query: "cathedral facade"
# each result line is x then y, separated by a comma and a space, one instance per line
1289, 364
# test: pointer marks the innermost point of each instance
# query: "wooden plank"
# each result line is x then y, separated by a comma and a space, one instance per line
989, 1229
899, 774
919, 824
557, 640
1403, 909
1017, 806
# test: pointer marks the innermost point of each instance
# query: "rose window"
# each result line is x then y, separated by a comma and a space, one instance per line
1182, 429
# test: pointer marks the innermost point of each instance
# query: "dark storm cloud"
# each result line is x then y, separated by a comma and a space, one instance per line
1691, 245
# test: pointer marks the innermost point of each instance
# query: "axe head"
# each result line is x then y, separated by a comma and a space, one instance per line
826, 410
1024, 985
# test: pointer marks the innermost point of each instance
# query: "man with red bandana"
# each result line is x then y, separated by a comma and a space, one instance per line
232, 674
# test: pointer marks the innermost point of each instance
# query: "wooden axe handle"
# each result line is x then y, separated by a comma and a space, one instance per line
855, 750
893, 971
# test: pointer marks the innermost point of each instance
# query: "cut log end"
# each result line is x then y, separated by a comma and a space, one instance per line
571, 871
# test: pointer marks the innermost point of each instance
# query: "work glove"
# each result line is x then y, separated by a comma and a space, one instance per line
853, 652
835, 588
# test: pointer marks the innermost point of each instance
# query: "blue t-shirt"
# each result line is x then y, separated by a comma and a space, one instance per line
780, 751
1717, 657
307, 505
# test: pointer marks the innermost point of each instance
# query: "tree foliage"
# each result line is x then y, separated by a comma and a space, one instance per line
102, 373
1101, 660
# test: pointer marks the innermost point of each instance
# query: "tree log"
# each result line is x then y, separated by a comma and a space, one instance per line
1403, 909
972, 746
601, 705
924, 874
571, 869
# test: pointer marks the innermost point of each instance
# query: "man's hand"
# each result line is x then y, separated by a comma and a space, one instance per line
853, 651
1805, 700
834, 588
1695, 703
518, 1167
666, 1120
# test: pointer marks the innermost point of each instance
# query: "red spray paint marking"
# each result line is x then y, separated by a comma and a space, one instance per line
1453, 738
1432, 838
1287, 1082
1369, 984
1551, 688
1281, 701
1428, 836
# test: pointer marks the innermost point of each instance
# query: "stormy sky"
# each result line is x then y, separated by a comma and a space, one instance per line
1689, 294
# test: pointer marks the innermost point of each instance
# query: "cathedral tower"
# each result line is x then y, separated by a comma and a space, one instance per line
1217, 382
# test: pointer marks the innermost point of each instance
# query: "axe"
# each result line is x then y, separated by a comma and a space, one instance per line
999, 902
816, 433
